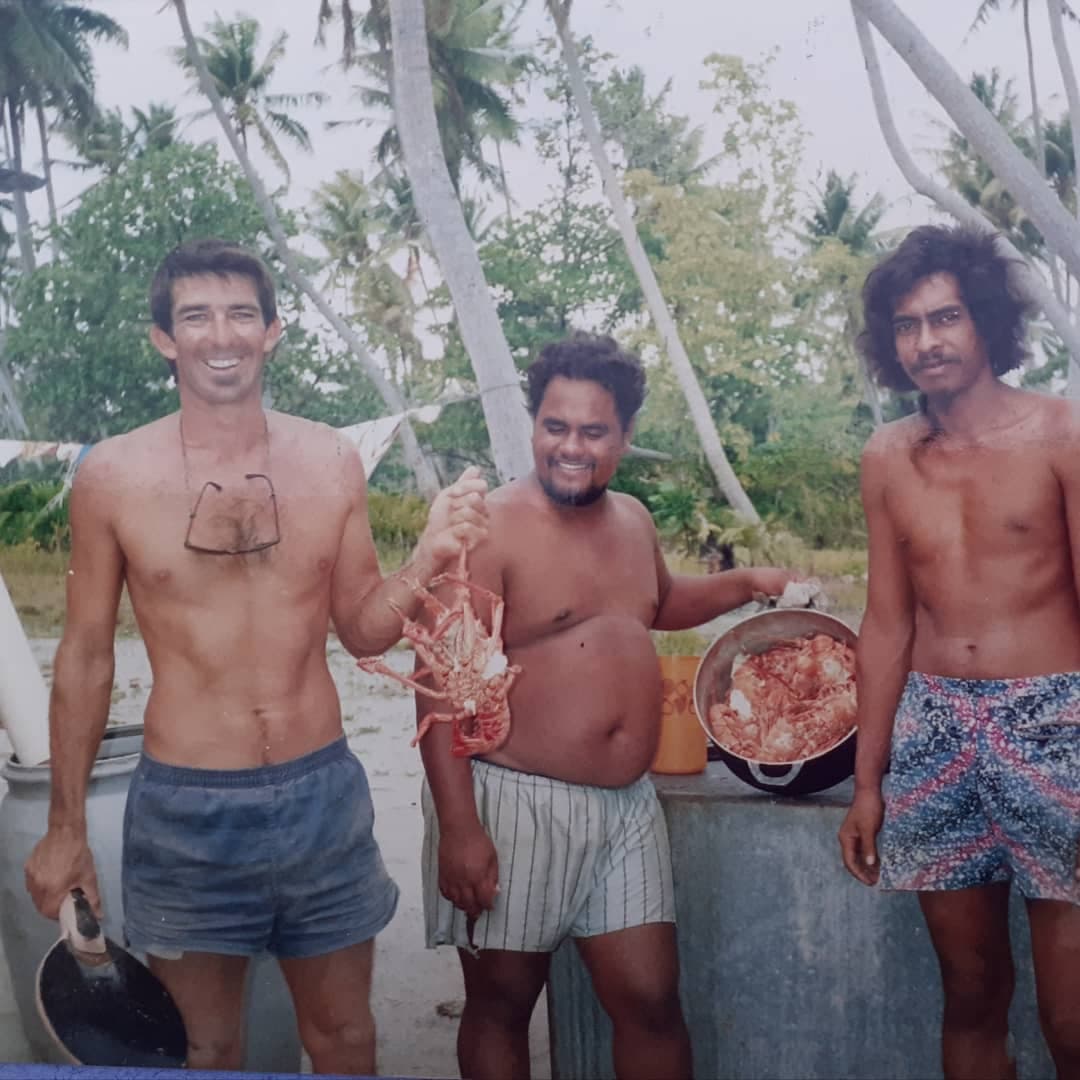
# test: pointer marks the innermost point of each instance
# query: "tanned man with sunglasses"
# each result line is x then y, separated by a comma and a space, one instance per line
241, 535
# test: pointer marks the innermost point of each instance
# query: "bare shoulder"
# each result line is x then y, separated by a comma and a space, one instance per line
323, 455
895, 437
125, 462
631, 510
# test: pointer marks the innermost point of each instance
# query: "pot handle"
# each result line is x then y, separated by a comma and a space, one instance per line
79, 924
774, 781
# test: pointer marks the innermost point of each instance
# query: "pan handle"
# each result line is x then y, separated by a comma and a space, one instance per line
79, 925
774, 781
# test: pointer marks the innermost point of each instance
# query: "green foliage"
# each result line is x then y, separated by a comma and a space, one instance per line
807, 473
396, 520
26, 517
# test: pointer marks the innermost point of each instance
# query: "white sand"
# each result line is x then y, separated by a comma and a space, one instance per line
411, 982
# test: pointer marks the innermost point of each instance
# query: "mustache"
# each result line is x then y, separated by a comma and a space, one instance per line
930, 361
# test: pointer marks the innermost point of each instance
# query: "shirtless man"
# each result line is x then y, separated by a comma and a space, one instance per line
240, 535
559, 832
969, 651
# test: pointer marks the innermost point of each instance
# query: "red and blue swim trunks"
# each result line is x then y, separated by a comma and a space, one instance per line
984, 786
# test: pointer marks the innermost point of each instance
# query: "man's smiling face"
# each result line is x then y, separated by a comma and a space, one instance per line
577, 441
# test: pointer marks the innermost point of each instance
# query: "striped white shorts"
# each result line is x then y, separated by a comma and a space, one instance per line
574, 860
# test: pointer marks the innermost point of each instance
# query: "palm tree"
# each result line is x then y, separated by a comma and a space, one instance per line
726, 480
969, 174
474, 67
444, 221
985, 9
243, 82
837, 218
45, 62
155, 129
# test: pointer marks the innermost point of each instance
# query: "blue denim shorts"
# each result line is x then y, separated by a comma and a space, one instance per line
280, 858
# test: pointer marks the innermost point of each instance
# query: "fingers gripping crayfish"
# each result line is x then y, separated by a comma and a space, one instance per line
466, 663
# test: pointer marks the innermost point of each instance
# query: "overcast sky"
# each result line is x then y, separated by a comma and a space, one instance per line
818, 66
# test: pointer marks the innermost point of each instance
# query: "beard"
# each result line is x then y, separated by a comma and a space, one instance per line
572, 498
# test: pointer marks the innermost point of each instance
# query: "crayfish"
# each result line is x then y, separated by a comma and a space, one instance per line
470, 671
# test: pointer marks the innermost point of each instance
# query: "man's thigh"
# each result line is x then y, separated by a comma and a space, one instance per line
634, 970
969, 929
1055, 947
209, 992
334, 990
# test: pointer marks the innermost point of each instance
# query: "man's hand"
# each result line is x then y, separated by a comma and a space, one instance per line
858, 836
771, 580
468, 870
458, 517
60, 861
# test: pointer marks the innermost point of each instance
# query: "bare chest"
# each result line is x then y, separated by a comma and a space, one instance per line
218, 546
559, 581
967, 505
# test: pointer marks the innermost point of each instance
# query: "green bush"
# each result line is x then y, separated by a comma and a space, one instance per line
25, 516
396, 520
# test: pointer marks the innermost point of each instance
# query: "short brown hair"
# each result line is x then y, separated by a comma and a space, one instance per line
209, 256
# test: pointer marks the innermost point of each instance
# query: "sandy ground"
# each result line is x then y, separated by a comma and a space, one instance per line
417, 992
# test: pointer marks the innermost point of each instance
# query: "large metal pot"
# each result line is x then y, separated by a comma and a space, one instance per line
754, 635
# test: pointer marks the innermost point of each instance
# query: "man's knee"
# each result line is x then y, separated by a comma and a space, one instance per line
647, 1006
978, 990
348, 1036
1061, 1026
215, 1050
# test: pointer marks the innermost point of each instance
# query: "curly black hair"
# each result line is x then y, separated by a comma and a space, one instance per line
597, 358
982, 272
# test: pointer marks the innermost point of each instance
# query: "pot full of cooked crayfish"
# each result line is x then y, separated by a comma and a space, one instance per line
776, 696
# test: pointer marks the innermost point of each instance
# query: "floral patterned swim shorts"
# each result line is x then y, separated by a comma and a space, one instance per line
984, 786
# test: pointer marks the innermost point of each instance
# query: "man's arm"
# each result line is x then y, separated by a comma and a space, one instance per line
882, 662
688, 600
1069, 478
82, 685
468, 864
361, 597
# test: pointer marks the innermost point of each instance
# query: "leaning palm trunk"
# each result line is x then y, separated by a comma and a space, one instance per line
440, 211
1068, 75
726, 480
426, 479
18, 197
977, 125
46, 171
1026, 280
11, 417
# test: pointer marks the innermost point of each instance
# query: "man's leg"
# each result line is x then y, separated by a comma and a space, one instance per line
1055, 946
970, 932
635, 973
209, 992
332, 997
501, 989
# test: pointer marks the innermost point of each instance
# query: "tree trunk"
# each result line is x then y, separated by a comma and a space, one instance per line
1040, 141
1059, 229
46, 169
18, 197
426, 479
1072, 93
1026, 280
11, 417
726, 480
443, 219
